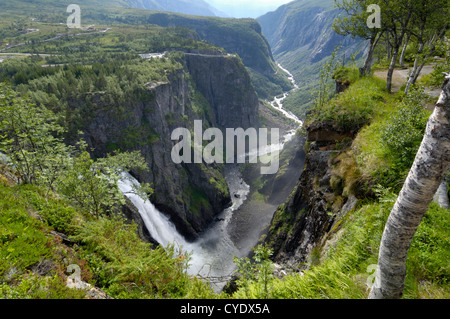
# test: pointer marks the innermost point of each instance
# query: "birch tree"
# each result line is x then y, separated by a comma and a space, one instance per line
431, 164
396, 17
429, 24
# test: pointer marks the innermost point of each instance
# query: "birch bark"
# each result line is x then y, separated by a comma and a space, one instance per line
431, 164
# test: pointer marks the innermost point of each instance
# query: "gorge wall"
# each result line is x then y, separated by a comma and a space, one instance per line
317, 203
214, 88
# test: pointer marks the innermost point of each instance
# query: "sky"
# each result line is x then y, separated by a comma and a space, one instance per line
246, 8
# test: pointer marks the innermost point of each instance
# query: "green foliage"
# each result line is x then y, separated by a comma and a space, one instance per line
436, 78
25, 242
110, 253
342, 268
325, 91
353, 23
31, 137
256, 276
35, 287
126, 267
404, 129
91, 186
347, 75
22, 242
385, 150
57, 213
430, 248
40, 158
354, 108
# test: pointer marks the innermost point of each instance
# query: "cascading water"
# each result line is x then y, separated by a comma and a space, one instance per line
212, 255
157, 224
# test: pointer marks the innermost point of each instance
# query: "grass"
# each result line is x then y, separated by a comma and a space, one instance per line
25, 242
342, 269
364, 101
109, 252
373, 167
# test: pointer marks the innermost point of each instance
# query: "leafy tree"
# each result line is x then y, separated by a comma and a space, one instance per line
430, 22
423, 20
324, 91
259, 272
354, 23
31, 138
404, 129
92, 185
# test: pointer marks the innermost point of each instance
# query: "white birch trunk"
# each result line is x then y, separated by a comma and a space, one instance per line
431, 164
402, 56
441, 196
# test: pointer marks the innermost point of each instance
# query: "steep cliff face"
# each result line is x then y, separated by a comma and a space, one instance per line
221, 80
191, 194
316, 204
300, 34
302, 40
240, 36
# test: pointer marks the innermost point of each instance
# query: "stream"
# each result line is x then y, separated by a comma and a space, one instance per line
211, 257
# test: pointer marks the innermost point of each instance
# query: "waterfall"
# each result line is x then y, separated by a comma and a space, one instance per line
158, 225
212, 255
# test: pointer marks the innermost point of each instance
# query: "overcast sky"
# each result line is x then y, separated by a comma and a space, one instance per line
246, 8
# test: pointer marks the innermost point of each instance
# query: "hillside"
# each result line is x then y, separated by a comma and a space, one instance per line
302, 40
324, 239
193, 7
240, 36
115, 172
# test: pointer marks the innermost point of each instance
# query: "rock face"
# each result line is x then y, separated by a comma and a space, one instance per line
302, 40
226, 91
237, 36
241, 36
303, 28
213, 88
314, 206
299, 224
328, 133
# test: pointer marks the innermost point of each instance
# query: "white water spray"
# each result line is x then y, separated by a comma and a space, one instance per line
212, 255
158, 225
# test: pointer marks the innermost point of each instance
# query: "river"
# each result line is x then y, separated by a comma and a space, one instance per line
212, 256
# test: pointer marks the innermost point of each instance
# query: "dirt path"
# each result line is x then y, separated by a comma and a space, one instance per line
400, 78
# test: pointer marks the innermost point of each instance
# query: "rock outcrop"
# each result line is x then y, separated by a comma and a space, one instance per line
317, 202
214, 88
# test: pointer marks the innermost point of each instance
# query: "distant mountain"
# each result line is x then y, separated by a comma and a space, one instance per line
246, 8
302, 39
192, 7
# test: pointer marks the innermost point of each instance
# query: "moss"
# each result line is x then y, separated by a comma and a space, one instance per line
198, 201
220, 185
